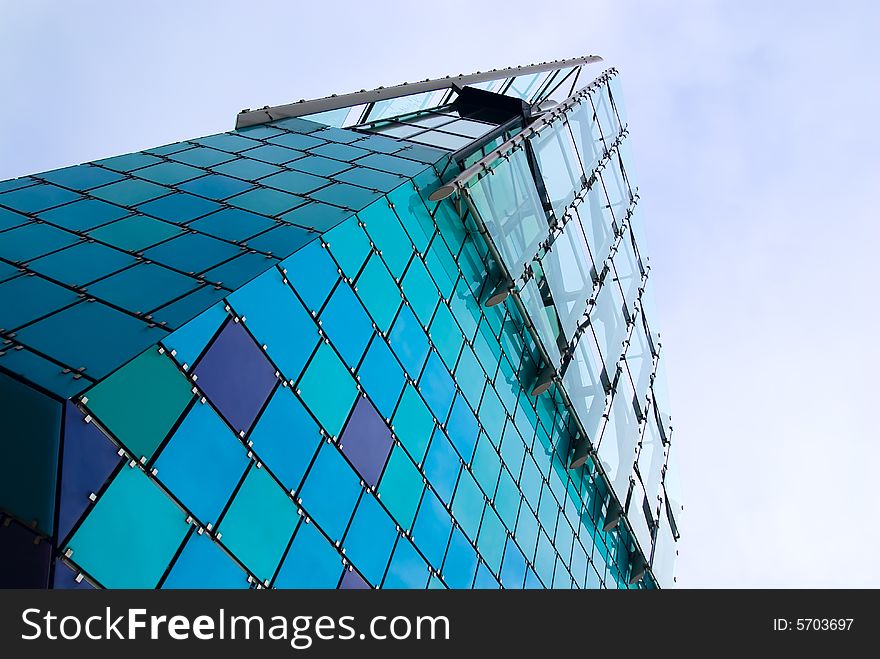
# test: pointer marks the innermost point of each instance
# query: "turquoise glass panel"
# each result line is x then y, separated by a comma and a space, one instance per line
178, 207
461, 561
24, 299
401, 488
346, 196
507, 499
442, 466
81, 177
490, 542
381, 376
32, 240
345, 322
259, 523
130, 536
328, 389
227, 142
409, 341
378, 292
330, 473
313, 274
319, 166
130, 192
312, 561
203, 564
468, 503
413, 424
350, 247
419, 289
201, 156
388, 235
413, 214
135, 233
343, 152
437, 386
216, 186
189, 341
169, 173
446, 336
462, 428
143, 287
513, 570
245, 168
486, 465
83, 215
370, 539
407, 569
272, 153
266, 201
192, 252
36, 198
372, 179
295, 182
232, 224
432, 529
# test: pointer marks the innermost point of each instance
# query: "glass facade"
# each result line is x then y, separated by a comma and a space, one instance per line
267, 358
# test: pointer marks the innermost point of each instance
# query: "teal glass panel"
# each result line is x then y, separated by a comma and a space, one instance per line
26, 298
344, 152
344, 320
346, 196
507, 499
227, 142
388, 235
286, 438
175, 314
567, 272
299, 183
313, 274
81, 177
245, 168
201, 157
169, 173
259, 523
189, 341
370, 539
42, 372
202, 463
468, 503
446, 335
486, 465
29, 453
143, 287
413, 215
130, 192
379, 144
437, 386
371, 179
442, 466
317, 216
491, 414
128, 539
129, 161
311, 562
16, 183
381, 376
465, 309
392, 164
192, 252
463, 428
350, 247
330, 491
10, 219
407, 568
419, 289
513, 570
487, 348
378, 291
33, 240
442, 265
168, 149
282, 241
141, 402
335, 134
216, 186
273, 314
298, 125
179, 207
83, 215
232, 224
273, 154
409, 342
559, 164
266, 201
319, 166
432, 529
203, 564
401, 488
545, 559
36, 198
297, 141
90, 335
413, 424
597, 223
328, 389
490, 542
135, 233
460, 564
260, 132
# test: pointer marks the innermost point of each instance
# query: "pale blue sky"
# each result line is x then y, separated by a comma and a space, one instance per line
754, 132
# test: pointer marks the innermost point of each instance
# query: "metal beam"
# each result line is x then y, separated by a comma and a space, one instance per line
263, 115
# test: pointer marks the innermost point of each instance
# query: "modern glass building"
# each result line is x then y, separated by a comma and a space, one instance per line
399, 338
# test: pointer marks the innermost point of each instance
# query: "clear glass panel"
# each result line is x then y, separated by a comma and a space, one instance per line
652, 458
532, 301
567, 271
511, 209
526, 86
587, 135
597, 223
619, 438
637, 519
559, 164
583, 384
608, 323
394, 107
442, 140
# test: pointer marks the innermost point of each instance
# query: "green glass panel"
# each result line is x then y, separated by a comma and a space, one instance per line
328, 389
349, 245
140, 402
413, 423
131, 535
135, 233
259, 523
378, 291
401, 487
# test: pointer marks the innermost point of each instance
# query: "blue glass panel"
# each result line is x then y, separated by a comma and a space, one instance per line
344, 320
432, 529
381, 376
192, 252
343, 152
413, 424
463, 428
486, 465
203, 564
527, 532
32, 240
413, 215
88, 461
513, 570
345, 195
215, 186
468, 503
129, 161
65, 578
349, 245
370, 539
131, 535
42, 372
244, 168
83, 215
366, 441
201, 157
311, 562
319, 166
507, 499
442, 465
26, 298
485, 580
278, 320
313, 274
232, 224
446, 336
10, 219
271, 153
331, 473
179, 207
407, 569
25, 562
409, 341
437, 386
38, 198
461, 562
143, 287
296, 140
227, 142
259, 523
378, 292
202, 463
189, 341
135, 233
419, 289
235, 375
175, 314
81, 177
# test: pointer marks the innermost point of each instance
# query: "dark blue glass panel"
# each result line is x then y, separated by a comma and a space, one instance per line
437, 386
461, 562
179, 207
442, 465
409, 341
349, 327
366, 441
232, 224
88, 460
216, 186
84, 214
313, 273
26, 298
432, 528
65, 579
381, 376
351, 580
370, 539
286, 438
202, 463
24, 564
81, 177
311, 562
407, 569
236, 376
203, 564
463, 428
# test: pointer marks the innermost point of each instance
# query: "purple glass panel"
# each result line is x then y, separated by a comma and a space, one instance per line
65, 579
366, 441
236, 376
89, 459
23, 564
351, 580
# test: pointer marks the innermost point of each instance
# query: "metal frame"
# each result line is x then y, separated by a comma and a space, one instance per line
266, 114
